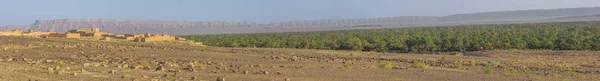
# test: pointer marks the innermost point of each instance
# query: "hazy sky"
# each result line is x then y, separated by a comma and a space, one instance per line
24, 12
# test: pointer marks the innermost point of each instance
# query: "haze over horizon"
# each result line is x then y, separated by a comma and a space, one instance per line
24, 12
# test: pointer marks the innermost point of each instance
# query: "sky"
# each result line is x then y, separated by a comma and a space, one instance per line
25, 12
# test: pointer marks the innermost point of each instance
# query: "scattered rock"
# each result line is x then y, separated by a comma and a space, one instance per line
245, 72
287, 79
74, 74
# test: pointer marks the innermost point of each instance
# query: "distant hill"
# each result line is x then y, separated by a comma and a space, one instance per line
578, 18
169, 27
130, 26
212, 27
13, 27
520, 15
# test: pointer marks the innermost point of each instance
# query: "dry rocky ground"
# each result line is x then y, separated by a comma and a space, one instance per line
51, 59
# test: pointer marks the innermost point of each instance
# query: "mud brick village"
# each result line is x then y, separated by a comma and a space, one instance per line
96, 34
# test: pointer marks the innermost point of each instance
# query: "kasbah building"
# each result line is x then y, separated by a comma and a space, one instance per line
94, 33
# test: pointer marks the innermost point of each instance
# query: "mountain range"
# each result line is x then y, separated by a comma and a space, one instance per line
219, 27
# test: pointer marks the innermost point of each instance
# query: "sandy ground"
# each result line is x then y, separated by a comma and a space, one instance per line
25, 58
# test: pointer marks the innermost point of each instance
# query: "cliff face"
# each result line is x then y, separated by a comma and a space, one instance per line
128, 26
167, 27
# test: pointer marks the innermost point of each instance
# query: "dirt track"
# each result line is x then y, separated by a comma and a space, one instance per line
23, 58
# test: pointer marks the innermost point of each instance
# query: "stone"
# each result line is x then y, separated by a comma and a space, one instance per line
125, 66
87, 64
193, 78
9, 59
50, 70
189, 69
400, 67
62, 72
287, 79
112, 71
83, 71
96, 64
138, 67
159, 68
220, 78
126, 76
49, 61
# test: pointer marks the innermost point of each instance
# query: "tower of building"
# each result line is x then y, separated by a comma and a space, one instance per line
95, 29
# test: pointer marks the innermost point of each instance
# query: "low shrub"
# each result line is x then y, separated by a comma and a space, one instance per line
419, 64
386, 65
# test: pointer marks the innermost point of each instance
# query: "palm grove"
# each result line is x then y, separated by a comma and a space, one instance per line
542, 36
